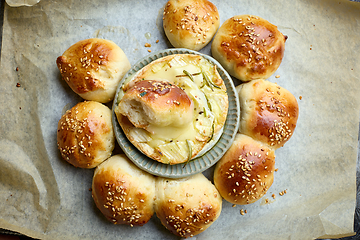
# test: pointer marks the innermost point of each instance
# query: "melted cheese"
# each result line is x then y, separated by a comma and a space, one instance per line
170, 140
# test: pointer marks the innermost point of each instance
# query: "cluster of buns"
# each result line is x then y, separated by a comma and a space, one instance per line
248, 47
267, 121
127, 195
251, 49
93, 69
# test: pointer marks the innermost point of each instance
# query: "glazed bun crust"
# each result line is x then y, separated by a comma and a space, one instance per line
190, 24
187, 206
249, 47
123, 193
246, 171
158, 103
269, 112
93, 68
85, 134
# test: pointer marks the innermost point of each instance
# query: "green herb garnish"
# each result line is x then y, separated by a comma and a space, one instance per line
143, 94
189, 75
188, 143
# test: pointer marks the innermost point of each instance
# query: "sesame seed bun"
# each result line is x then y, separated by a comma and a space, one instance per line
154, 102
246, 171
122, 192
85, 134
187, 206
190, 24
249, 47
269, 112
93, 68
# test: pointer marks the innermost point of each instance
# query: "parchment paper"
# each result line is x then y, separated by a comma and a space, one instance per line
44, 197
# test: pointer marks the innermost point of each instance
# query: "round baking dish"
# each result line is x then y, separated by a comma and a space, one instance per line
200, 163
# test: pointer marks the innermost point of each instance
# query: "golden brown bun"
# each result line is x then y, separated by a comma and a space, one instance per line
93, 68
187, 206
85, 134
246, 171
249, 47
269, 112
122, 192
159, 103
190, 24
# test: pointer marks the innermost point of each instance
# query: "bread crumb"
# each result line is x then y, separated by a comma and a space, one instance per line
276, 169
18, 85
267, 200
17, 68
147, 45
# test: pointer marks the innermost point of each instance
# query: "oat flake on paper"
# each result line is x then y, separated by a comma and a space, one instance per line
18, 3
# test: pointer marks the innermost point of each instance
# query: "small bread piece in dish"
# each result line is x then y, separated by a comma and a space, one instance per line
190, 24
269, 112
187, 206
85, 135
93, 68
246, 171
249, 47
122, 192
159, 103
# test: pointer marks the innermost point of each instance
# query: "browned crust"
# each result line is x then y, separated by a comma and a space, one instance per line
116, 195
245, 172
81, 135
252, 47
184, 221
190, 24
79, 61
160, 95
273, 117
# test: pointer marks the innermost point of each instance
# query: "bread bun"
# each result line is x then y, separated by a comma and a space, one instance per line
85, 134
246, 171
122, 192
185, 120
187, 206
269, 112
93, 68
158, 103
190, 24
249, 47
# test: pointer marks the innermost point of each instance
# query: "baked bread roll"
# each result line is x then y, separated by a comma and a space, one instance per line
85, 135
246, 171
122, 192
156, 103
93, 68
187, 206
269, 112
174, 109
249, 47
190, 24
